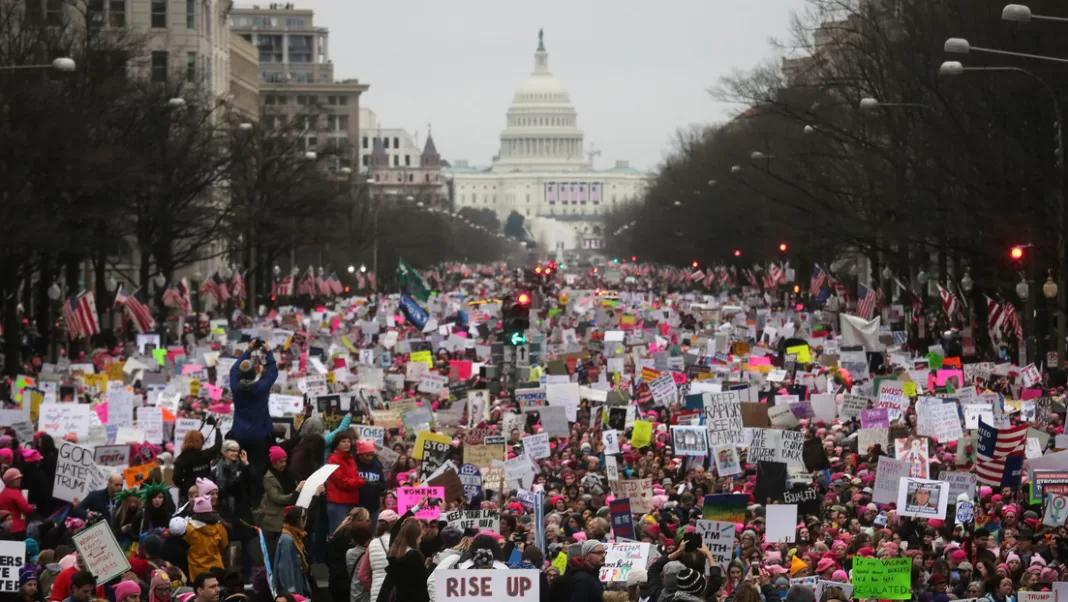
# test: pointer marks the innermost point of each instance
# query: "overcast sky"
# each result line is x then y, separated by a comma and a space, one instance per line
636, 70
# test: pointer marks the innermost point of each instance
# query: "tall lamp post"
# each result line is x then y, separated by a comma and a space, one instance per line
955, 68
1050, 291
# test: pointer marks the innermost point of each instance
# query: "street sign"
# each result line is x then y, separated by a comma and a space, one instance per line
522, 356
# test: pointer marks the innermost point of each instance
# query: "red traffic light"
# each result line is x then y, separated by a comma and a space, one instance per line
1016, 253
548, 271
634, 258
782, 247
695, 265
523, 299
737, 252
537, 270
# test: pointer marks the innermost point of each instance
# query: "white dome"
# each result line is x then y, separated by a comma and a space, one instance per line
542, 132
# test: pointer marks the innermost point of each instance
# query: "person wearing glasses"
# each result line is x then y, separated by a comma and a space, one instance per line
581, 582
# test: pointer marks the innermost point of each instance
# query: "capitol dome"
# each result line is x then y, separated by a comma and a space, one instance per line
542, 131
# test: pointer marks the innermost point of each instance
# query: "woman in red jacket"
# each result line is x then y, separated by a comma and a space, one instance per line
343, 486
12, 500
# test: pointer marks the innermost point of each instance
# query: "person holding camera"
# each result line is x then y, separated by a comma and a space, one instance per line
251, 389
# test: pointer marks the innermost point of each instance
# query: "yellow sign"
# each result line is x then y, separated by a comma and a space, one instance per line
97, 381
802, 353
417, 452
643, 433
114, 371
194, 388
561, 562
423, 357
909, 389
348, 344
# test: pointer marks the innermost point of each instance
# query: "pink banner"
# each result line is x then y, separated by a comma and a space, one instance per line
410, 496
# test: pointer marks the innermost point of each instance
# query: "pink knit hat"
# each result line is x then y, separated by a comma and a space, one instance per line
125, 589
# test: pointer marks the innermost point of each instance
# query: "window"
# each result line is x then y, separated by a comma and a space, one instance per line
474, 198
396, 143
343, 123
385, 142
117, 16
365, 141
313, 142
528, 198
428, 178
342, 100
239, 21
411, 177
302, 100
95, 10
190, 66
190, 14
294, 22
159, 66
365, 158
407, 160
396, 160
159, 13
54, 12
331, 100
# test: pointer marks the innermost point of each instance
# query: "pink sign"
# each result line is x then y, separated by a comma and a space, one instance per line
1030, 394
102, 412
410, 496
188, 369
214, 393
943, 375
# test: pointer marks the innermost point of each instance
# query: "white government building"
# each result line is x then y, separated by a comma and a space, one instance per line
542, 172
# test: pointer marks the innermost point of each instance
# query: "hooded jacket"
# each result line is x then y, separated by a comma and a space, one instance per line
343, 485
207, 537
373, 484
445, 560
252, 419
581, 583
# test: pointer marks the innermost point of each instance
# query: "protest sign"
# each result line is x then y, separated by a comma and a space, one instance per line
610, 438
100, 552
76, 473
481, 520
620, 558
823, 585
723, 418
376, 434
885, 579
622, 518
852, 406
782, 523
640, 493
888, 474
410, 496
690, 440
280, 406
1056, 510
537, 446
914, 450
59, 419
718, 537
959, 482
922, 498
471, 478
876, 418
313, 482
726, 507
12, 557
117, 456
480, 585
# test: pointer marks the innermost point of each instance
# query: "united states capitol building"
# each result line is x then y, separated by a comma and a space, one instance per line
543, 172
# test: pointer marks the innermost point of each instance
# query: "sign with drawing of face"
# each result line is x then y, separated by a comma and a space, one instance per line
690, 440
923, 498
727, 460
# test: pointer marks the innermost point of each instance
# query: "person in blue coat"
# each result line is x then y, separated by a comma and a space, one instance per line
253, 427
291, 560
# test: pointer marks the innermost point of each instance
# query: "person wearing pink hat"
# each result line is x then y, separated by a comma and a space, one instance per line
127, 591
280, 491
12, 501
825, 568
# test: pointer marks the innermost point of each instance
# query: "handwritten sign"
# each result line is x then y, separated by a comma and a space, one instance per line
76, 473
885, 579
112, 455
410, 496
59, 419
620, 558
12, 556
482, 520
101, 553
479, 585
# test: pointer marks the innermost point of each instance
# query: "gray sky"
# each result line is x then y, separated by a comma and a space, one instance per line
636, 70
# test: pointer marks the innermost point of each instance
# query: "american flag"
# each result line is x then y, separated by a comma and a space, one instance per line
710, 279
360, 282
136, 307
697, 275
307, 284
177, 295
866, 300
79, 312
371, 280
283, 287
950, 303
839, 289
751, 278
323, 283
215, 286
778, 274
1000, 454
819, 278
1012, 321
335, 284
237, 286
995, 315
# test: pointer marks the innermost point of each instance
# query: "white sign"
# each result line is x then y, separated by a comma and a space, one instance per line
76, 473
12, 557
537, 446
371, 433
150, 420
620, 558
433, 383
117, 456
480, 585
281, 406
723, 418
482, 520
120, 407
887, 475
611, 442
312, 484
59, 419
718, 537
101, 553
922, 498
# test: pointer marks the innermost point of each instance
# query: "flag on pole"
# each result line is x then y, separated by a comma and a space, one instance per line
371, 281
323, 282
136, 308
819, 278
839, 289
697, 275
177, 296
79, 313
283, 287
410, 280
307, 284
950, 303
237, 286
777, 273
1012, 321
995, 315
866, 301
1000, 454
335, 284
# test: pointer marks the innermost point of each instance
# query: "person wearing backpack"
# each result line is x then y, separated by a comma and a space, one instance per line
406, 572
361, 537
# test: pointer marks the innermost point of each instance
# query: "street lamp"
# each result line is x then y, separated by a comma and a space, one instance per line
870, 104
311, 155
363, 269
1022, 290
1022, 14
352, 269
966, 283
54, 292
711, 182
345, 171
244, 126
678, 203
60, 64
176, 102
111, 285
277, 269
962, 46
1050, 288
809, 130
736, 169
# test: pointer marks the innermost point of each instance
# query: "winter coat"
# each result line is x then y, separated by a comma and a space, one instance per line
288, 568
239, 485
206, 542
12, 500
98, 501
252, 419
580, 583
343, 486
373, 484
376, 559
194, 464
408, 575
274, 503
357, 592
446, 560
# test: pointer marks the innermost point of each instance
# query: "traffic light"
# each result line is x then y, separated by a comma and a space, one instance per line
737, 252
1016, 255
616, 260
782, 247
634, 258
517, 320
694, 265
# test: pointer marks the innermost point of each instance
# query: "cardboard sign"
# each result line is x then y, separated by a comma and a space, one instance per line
723, 419
76, 473
102, 555
112, 455
12, 557
410, 496
59, 419
135, 475
885, 579
718, 537
482, 520
480, 585
620, 558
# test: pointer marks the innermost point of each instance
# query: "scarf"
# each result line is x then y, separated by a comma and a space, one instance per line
298, 540
285, 480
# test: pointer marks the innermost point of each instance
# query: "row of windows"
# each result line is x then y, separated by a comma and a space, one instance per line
161, 66
296, 77
428, 178
385, 141
282, 99
114, 15
541, 121
262, 21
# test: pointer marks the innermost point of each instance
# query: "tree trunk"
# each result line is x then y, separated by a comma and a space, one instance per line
43, 307
12, 326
